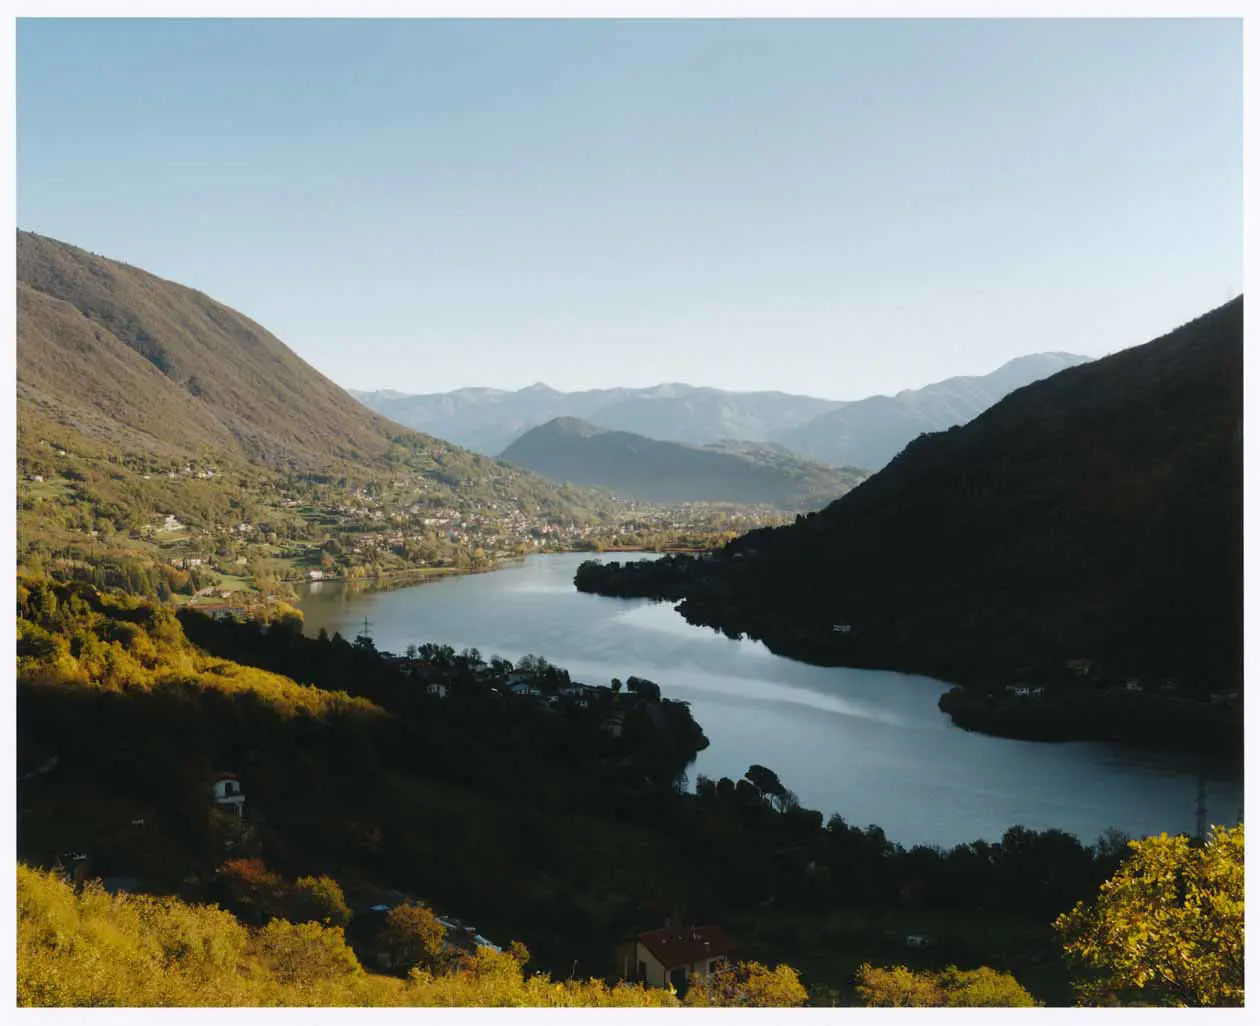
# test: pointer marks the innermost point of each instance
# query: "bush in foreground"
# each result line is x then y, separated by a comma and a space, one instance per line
87, 948
899, 987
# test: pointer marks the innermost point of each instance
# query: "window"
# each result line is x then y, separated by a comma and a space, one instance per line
642, 970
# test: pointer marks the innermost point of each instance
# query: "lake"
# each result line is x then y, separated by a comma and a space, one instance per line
870, 745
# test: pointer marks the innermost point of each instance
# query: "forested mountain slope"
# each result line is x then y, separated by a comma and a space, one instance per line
568, 449
1095, 515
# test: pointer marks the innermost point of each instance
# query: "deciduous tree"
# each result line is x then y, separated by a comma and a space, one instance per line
1166, 929
413, 936
318, 898
748, 985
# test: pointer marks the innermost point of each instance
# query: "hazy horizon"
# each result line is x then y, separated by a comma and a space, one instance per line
686, 384
834, 208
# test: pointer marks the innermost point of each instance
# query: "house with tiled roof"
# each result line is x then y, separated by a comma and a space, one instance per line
674, 954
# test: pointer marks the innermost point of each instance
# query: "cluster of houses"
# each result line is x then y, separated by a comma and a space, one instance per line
581, 696
1083, 671
528, 687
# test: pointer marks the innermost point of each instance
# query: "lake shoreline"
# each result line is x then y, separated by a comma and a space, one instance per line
1054, 704
871, 745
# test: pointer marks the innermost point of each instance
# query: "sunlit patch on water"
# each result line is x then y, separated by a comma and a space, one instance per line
762, 692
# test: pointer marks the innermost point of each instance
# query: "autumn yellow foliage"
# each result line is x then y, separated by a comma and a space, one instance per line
116, 642
748, 985
88, 948
1166, 929
899, 987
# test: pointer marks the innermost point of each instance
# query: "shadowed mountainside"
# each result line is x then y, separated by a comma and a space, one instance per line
1094, 515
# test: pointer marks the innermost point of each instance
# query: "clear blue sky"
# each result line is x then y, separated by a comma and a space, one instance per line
831, 207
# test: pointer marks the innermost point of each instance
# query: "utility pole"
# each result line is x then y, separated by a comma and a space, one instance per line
1200, 809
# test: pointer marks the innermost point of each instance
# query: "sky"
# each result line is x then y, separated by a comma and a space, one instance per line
831, 207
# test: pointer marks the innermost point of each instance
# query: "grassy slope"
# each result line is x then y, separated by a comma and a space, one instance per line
123, 352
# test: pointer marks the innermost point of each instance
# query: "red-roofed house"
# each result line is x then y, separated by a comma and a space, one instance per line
672, 954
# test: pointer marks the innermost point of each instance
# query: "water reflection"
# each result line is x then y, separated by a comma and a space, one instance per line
870, 745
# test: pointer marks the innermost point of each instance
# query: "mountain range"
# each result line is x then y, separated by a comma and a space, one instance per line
865, 433
1093, 518
489, 419
871, 431
632, 465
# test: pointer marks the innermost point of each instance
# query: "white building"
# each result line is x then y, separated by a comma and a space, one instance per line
228, 794
522, 686
675, 955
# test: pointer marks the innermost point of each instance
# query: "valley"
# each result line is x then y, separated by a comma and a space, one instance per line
158, 627
166, 464
667, 512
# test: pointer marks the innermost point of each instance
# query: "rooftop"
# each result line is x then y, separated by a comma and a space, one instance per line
674, 946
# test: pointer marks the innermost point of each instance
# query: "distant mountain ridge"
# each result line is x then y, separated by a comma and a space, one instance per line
864, 433
871, 431
568, 449
489, 419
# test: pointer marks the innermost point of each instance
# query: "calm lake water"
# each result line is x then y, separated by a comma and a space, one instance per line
870, 745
